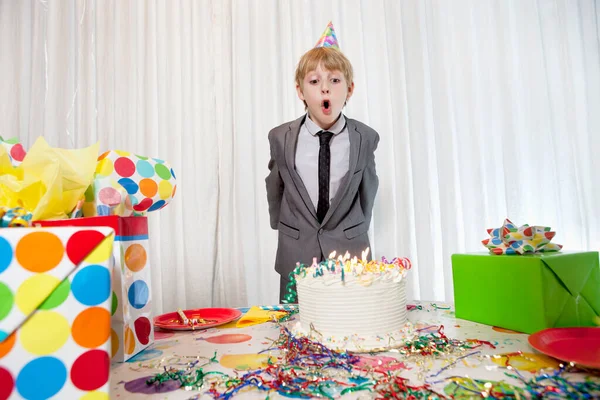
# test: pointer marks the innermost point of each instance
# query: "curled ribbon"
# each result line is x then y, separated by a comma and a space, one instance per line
14, 217
508, 239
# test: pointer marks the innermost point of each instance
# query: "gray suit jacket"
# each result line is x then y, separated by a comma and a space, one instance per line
292, 213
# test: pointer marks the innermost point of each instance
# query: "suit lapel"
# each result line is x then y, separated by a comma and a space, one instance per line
354, 137
291, 138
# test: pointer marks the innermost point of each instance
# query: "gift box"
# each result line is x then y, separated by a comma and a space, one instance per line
55, 303
529, 292
132, 328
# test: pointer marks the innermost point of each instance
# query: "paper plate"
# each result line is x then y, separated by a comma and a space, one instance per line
212, 316
578, 345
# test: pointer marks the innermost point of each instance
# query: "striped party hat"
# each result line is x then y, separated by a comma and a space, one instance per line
328, 38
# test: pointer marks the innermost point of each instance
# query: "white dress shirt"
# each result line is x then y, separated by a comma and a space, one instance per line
307, 157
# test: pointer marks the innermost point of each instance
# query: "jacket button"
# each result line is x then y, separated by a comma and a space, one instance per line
321, 231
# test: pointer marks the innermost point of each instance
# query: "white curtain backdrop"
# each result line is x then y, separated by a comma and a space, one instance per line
486, 109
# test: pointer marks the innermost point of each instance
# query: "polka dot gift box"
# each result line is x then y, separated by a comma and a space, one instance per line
131, 301
55, 298
15, 150
127, 184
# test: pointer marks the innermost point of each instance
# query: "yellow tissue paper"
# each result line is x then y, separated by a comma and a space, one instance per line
256, 315
49, 182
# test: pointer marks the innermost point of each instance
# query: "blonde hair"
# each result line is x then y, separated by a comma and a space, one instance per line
330, 59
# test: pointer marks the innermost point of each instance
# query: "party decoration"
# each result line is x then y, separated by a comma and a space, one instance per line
508, 239
149, 184
14, 217
131, 308
14, 149
552, 385
328, 38
527, 293
104, 197
437, 343
49, 182
55, 312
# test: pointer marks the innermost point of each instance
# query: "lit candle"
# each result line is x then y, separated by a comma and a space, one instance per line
365, 253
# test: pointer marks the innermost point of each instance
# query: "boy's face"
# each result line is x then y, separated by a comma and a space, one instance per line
325, 93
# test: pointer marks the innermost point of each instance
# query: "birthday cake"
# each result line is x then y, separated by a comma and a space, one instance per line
353, 305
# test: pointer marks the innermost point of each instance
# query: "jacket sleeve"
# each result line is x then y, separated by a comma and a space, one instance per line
274, 185
370, 182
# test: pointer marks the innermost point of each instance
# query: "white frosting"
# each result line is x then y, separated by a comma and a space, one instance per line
365, 312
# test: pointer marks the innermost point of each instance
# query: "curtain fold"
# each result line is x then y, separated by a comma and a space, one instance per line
486, 109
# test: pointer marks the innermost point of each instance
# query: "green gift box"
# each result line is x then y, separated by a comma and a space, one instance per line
527, 293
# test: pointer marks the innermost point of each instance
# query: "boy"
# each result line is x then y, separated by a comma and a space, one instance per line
322, 181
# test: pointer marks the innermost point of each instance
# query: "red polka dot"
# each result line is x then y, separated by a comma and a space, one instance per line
124, 167
82, 243
17, 152
6, 384
90, 370
142, 329
549, 235
497, 251
143, 205
103, 155
109, 196
528, 231
485, 242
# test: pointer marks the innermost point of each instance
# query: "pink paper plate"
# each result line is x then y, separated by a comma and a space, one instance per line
578, 345
212, 316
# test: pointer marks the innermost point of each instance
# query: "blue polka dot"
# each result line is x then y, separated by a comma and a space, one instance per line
102, 210
173, 173
3, 335
146, 355
156, 205
91, 285
6, 254
129, 185
496, 241
158, 160
41, 378
138, 294
144, 168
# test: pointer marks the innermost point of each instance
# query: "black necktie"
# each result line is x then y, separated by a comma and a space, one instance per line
324, 161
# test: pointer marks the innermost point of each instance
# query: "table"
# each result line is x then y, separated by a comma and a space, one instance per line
239, 349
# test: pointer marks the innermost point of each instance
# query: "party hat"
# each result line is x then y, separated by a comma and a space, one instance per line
328, 38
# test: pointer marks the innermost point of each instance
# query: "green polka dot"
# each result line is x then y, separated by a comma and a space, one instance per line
6, 300
141, 157
89, 194
58, 296
12, 141
162, 171
115, 303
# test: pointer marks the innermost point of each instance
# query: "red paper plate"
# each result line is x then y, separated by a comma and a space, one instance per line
578, 345
212, 316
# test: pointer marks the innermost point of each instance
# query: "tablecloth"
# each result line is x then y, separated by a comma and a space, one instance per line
237, 349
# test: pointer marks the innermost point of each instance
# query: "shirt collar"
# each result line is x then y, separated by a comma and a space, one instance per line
336, 128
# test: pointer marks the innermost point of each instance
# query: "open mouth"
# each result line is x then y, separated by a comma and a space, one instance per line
326, 106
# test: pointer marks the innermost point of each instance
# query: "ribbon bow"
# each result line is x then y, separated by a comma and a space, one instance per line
508, 239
